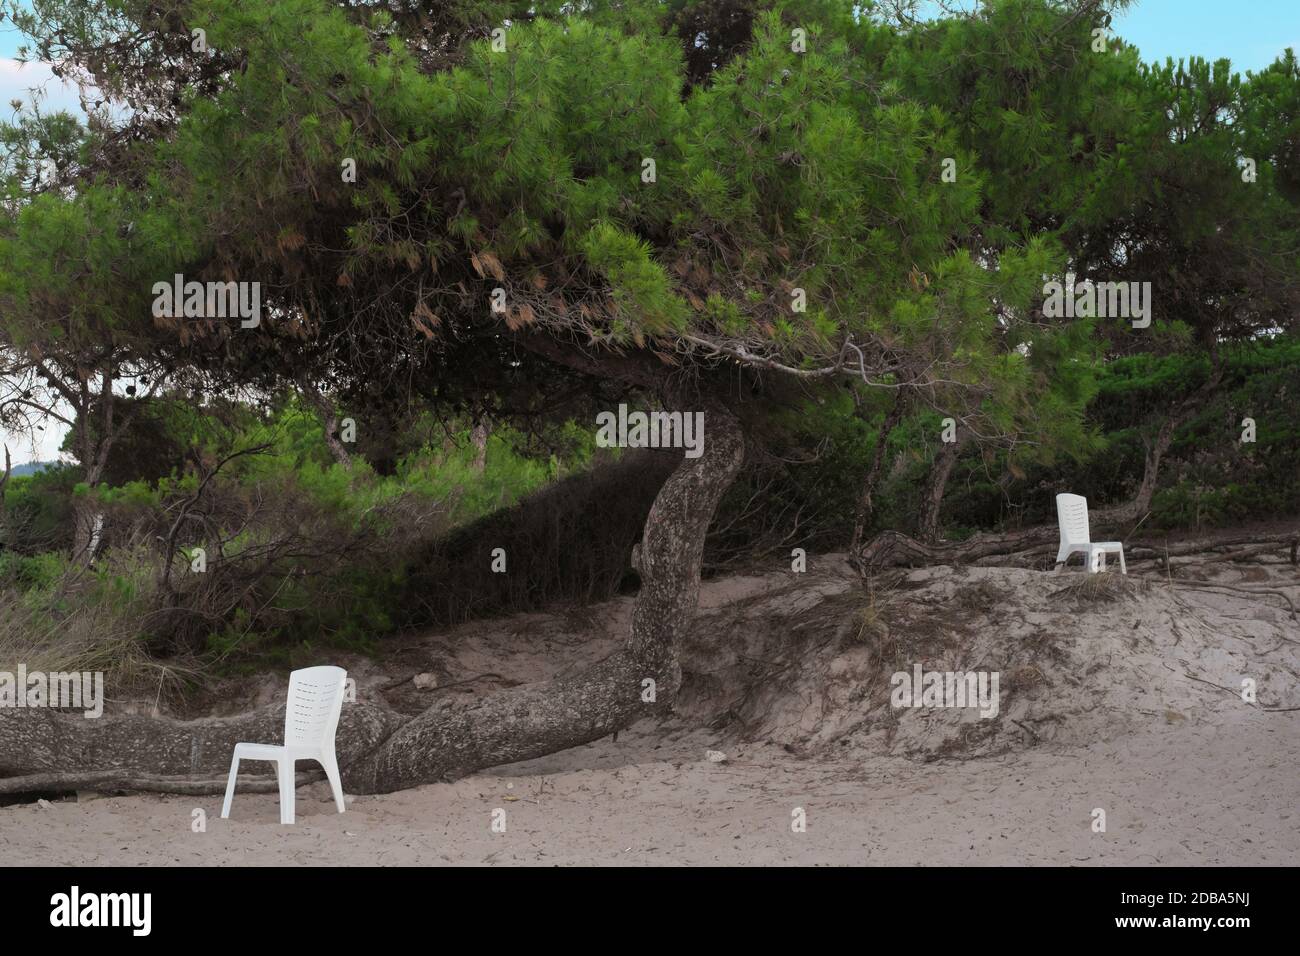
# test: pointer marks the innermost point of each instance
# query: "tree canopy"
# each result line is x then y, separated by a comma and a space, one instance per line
471, 205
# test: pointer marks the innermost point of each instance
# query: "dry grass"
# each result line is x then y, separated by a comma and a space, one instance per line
981, 596
1107, 588
85, 623
870, 621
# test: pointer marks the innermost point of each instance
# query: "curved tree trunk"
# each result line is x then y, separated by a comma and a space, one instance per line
450, 739
866, 497
1156, 448
479, 438
4, 514
380, 751
329, 421
87, 529
67, 745
935, 485
1155, 452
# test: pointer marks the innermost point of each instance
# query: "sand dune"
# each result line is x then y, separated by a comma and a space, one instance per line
1116, 695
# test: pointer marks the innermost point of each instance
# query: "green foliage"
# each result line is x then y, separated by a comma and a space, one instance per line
913, 186
37, 510
1209, 478
38, 572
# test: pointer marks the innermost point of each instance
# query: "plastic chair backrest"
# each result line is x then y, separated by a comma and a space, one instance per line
311, 715
1072, 513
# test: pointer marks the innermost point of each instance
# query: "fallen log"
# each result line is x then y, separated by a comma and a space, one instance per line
105, 780
45, 741
1267, 542
1036, 547
895, 549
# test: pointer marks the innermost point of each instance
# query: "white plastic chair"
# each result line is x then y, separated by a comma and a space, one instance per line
1072, 513
311, 717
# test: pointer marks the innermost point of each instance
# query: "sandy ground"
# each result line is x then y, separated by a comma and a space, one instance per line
1186, 773
1173, 795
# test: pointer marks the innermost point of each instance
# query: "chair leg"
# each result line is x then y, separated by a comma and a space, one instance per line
336, 784
1123, 568
285, 765
230, 787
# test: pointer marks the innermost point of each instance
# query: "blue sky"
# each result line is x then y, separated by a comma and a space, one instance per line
1249, 32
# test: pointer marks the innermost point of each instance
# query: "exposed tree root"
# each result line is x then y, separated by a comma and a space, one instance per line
1210, 586
895, 549
104, 780
1035, 547
1257, 544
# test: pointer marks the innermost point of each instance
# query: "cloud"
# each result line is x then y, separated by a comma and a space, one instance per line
43, 446
22, 81
17, 81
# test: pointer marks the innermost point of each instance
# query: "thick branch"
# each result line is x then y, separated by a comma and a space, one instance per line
451, 739
45, 741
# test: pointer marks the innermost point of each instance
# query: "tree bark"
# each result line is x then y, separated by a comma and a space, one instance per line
450, 740
329, 421
1156, 450
935, 485
4, 513
88, 520
479, 437
895, 549
866, 498
87, 527
380, 751
67, 744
